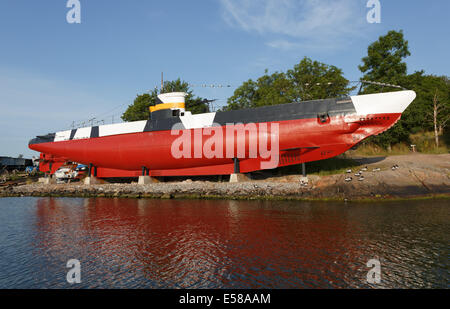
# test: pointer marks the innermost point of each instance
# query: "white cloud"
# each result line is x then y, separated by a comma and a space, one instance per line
283, 44
290, 24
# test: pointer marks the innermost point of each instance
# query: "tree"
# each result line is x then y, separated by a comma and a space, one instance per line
441, 104
267, 90
244, 97
313, 80
139, 110
308, 80
414, 118
384, 60
384, 63
431, 108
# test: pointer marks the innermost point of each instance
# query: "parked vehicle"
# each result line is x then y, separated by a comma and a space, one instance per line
66, 173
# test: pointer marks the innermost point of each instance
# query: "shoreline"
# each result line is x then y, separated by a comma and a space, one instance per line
224, 191
418, 176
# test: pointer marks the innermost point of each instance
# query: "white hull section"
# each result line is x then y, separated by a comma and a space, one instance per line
383, 103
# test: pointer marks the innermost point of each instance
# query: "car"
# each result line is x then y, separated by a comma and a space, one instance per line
64, 174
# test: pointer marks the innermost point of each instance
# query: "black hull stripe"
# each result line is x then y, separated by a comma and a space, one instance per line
72, 134
94, 132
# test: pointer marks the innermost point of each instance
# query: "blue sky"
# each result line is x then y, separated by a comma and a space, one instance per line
53, 73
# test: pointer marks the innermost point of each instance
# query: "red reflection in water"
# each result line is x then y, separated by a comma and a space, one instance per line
183, 244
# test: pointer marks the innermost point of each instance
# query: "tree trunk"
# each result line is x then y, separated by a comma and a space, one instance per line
436, 132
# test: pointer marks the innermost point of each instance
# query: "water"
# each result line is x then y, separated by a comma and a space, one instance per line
222, 244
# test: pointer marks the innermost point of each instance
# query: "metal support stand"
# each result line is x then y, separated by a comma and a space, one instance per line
91, 178
237, 168
304, 169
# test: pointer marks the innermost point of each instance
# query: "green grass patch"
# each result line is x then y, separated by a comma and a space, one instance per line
337, 165
424, 141
333, 166
370, 150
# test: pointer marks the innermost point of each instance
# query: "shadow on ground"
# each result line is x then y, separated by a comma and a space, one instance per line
370, 160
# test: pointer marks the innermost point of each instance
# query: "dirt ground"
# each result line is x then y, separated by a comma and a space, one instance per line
416, 174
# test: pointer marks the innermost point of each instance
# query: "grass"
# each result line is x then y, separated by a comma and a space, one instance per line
424, 142
333, 166
337, 165
14, 177
369, 150
21, 176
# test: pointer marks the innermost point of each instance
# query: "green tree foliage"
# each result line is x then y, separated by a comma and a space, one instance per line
308, 80
313, 80
267, 90
385, 61
139, 110
419, 115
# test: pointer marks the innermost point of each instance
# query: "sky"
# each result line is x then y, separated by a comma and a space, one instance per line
54, 73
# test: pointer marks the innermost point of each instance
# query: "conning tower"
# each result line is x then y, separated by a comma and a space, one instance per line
168, 105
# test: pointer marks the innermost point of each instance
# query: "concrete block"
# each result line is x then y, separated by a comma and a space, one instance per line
238, 178
91, 181
144, 180
47, 180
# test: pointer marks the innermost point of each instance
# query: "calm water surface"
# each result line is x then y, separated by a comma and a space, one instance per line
222, 244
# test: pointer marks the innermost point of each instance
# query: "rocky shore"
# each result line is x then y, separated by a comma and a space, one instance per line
416, 176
